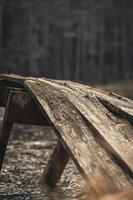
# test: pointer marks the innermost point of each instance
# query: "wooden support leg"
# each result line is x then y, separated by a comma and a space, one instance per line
19, 109
5, 131
4, 84
4, 136
23, 109
55, 166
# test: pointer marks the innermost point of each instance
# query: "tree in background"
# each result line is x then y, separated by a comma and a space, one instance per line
84, 40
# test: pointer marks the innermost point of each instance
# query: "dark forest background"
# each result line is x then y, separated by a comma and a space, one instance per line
81, 40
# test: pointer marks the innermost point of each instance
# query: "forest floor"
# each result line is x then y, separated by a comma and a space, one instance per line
27, 155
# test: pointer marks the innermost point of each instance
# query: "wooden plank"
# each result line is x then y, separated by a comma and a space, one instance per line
118, 111
122, 103
114, 133
13, 78
56, 166
121, 106
118, 104
76, 135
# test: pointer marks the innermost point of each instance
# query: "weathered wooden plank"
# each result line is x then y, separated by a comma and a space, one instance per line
87, 103
13, 78
84, 88
118, 111
56, 166
76, 135
122, 106
118, 104
114, 133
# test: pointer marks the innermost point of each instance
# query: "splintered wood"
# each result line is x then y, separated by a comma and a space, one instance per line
94, 128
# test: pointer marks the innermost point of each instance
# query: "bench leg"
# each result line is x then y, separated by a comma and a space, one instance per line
5, 130
56, 166
4, 136
19, 109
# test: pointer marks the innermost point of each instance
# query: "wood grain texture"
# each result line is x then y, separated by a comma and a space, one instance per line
115, 133
13, 78
76, 135
56, 166
94, 126
120, 105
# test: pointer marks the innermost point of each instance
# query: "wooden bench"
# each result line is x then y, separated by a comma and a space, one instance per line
94, 127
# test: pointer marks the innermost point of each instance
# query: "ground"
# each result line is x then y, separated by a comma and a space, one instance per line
27, 155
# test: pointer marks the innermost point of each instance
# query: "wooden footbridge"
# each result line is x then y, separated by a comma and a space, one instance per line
94, 128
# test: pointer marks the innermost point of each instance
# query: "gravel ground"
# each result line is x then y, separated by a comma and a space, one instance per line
27, 154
